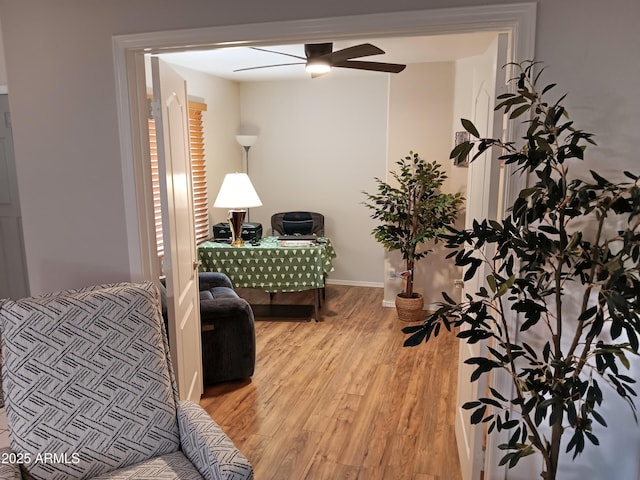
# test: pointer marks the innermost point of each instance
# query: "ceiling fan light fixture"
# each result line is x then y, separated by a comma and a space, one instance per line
317, 67
320, 58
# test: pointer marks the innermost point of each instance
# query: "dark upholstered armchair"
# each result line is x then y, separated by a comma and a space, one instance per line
297, 223
228, 331
88, 377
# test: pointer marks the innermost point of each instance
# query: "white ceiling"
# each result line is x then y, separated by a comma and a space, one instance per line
222, 62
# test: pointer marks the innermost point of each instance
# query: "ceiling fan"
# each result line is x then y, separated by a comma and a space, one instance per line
320, 58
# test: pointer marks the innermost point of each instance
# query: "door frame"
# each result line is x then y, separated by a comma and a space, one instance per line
517, 20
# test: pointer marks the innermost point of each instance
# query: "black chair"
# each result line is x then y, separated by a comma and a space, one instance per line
297, 223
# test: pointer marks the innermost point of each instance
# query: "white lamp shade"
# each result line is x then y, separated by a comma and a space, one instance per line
237, 192
246, 140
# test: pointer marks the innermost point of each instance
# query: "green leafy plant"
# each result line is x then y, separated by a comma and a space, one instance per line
564, 270
413, 212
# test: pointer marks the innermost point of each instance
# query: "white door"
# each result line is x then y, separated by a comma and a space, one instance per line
483, 185
13, 271
180, 262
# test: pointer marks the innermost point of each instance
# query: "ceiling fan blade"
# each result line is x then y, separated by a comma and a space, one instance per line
373, 66
279, 53
316, 75
268, 66
357, 51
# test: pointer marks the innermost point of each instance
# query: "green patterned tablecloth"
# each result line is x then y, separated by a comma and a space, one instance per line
270, 266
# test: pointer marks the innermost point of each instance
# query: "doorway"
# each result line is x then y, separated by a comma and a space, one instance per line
518, 21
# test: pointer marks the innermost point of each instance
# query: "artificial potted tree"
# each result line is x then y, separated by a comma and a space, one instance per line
560, 312
413, 211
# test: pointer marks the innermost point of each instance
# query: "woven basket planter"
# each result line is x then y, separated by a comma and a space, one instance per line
410, 309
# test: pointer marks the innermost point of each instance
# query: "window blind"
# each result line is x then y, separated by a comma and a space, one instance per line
198, 176
198, 171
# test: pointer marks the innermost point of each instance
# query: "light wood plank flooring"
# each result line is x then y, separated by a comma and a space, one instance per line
342, 398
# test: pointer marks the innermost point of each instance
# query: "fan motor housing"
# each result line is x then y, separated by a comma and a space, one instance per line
313, 50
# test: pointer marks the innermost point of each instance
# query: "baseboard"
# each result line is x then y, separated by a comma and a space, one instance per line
354, 283
432, 307
385, 303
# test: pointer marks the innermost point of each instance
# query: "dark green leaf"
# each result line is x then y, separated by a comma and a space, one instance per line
588, 313
477, 416
519, 111
470, 127
416, 339
461, 150
497, 394
598, 418
601, 180
510, 424
592, 437
492, 283
448, 299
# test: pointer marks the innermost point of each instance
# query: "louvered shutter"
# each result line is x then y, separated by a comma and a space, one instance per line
199, 171
198, 174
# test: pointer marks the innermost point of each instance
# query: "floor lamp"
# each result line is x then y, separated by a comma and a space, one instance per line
237, 194
247, 141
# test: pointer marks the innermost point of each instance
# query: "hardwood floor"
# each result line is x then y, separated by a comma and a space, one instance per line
342, 398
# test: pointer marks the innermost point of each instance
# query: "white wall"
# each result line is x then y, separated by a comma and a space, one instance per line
220, 122
420, 119
320, 144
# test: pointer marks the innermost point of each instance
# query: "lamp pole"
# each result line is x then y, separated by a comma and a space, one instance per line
246, 141
246, 158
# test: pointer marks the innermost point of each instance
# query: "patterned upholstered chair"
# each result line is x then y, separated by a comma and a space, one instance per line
90, 392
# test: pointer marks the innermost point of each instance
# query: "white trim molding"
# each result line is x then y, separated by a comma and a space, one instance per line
352, 283
429, 307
